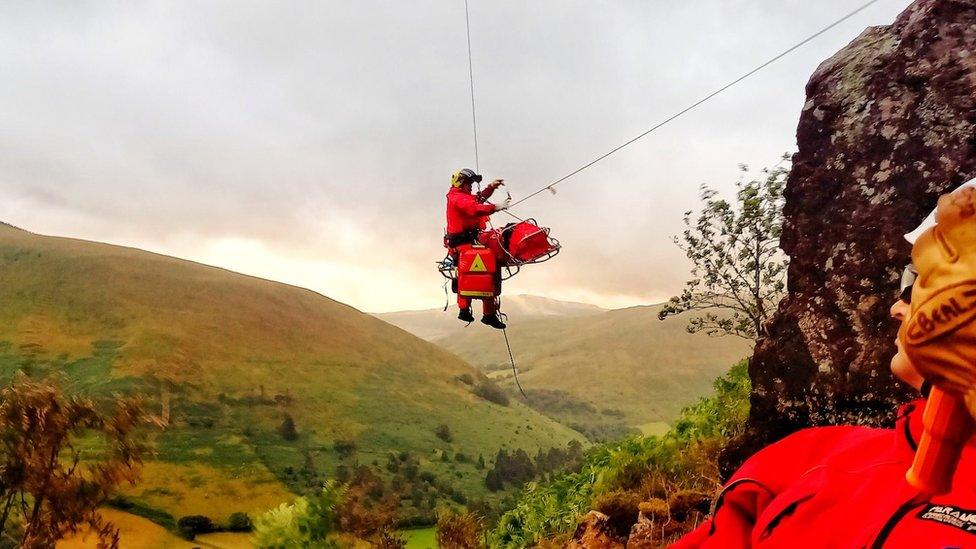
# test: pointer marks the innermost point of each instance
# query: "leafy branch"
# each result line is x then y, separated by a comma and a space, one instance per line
738, 271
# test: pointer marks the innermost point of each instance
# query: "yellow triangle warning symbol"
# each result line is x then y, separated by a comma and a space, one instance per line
478, 265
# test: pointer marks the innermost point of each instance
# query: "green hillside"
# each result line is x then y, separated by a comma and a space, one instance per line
225, 357
623, 366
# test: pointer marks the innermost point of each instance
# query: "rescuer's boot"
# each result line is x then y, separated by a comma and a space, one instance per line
493, 321
466, 315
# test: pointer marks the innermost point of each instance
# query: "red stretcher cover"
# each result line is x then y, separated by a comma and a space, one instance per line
528, 241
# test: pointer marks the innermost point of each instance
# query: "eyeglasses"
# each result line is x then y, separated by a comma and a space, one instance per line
908, 277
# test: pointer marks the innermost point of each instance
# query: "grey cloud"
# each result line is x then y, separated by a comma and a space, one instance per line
173, 123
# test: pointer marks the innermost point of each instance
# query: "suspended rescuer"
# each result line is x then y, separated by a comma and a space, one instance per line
846, 486
467, 219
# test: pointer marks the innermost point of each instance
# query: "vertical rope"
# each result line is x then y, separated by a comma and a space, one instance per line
511, 357
474, 118
477, 167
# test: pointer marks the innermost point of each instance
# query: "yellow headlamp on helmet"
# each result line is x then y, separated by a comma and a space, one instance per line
463, 175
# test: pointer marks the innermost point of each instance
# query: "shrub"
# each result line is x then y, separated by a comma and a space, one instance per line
443, 432
466, 379
239, 522
488, 390
388, 539
366, 507
192, 525
345, 448
458, 530
305, 522
287, 428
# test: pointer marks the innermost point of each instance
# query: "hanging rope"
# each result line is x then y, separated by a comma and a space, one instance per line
477, 168
474, 117
511, 357
798, 45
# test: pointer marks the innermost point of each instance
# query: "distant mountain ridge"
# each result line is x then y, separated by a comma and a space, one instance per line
433, 324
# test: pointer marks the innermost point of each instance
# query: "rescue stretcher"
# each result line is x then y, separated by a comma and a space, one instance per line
476, 270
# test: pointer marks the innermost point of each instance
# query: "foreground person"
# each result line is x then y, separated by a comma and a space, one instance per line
845, 486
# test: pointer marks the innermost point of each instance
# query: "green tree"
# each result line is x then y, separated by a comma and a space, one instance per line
738, 271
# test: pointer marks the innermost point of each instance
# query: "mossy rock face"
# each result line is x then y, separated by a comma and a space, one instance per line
887, 127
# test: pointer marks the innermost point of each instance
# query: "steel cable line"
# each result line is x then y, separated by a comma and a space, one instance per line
691, 107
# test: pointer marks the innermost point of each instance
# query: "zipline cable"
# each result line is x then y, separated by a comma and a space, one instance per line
691, 107
474, 117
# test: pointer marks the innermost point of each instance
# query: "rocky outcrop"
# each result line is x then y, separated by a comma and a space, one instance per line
889, 125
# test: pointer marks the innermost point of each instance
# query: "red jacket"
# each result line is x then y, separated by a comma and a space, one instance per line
840, 487
467, 211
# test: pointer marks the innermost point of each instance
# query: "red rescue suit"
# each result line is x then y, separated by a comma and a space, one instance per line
468, 211
467, 217
840, 487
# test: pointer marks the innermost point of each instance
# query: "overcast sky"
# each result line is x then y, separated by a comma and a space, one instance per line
313, 143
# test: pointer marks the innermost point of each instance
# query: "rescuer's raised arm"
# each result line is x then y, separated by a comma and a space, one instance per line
486, 193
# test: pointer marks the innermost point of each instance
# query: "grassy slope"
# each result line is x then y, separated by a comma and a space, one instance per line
624, 359
114, 318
